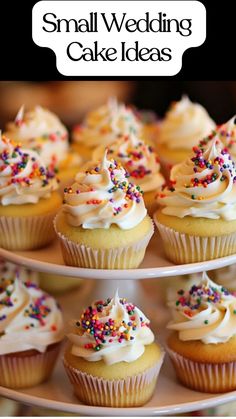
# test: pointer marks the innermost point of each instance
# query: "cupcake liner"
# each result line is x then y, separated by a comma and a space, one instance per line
131, 391
127, 257
27, 371
26, 233
183, 248
205, 377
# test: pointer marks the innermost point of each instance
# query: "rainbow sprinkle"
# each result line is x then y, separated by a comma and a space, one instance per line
105, 332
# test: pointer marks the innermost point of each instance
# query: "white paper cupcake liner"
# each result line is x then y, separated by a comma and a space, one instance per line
27, 371
205, 377
128, 257
131, 391
183, 248
26, 233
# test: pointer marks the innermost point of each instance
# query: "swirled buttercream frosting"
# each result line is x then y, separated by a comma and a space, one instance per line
29, 318
24, 178
105, 124
42, 131
184, 125
206, 311
113, 330
138, 158
202, 186
104, 196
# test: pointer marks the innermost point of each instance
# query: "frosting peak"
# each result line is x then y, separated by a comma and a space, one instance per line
103, 196
203, 186
23, 176
29, 318
113, 330
138, 158
185, 124
205, 312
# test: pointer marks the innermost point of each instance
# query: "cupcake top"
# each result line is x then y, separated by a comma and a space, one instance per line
103, 196
226, 133
29, 318
42, 131
138, 158
203, 185
8, 271
113, 331
205, 312
184, 125
24, 178
105, 124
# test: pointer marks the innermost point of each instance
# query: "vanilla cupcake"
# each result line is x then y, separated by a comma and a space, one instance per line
31, 329
111, 358
42, 131
197, 218
103, 126
28, 198
202, 346
103, 223
140, 161
184, 125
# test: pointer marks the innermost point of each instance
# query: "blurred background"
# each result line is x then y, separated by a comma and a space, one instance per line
72, 99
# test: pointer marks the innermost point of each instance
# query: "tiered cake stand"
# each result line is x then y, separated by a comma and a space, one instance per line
170, 397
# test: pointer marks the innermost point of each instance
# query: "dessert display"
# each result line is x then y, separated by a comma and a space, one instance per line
202, 344
31, 329
103, 222
103, 126
184, 125
112, 359
140, 161
197, 218
113, 183
28, 198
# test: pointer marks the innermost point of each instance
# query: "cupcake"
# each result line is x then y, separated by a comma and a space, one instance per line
140, 161
202, 346
31, 329
103, 126
112, 359
42, 131
28, 198
103, 223
197, 218
184, 125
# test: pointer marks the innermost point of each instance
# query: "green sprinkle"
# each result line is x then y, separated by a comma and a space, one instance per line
206, 321
234, 311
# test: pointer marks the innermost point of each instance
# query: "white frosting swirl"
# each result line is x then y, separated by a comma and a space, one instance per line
202, 186
24, 178
206, 312
41, 131
138, 158
29, 318
112, 330
102, 197
184, 125
106, 124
